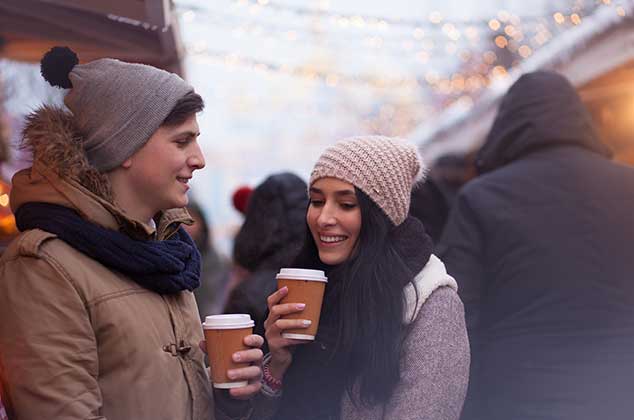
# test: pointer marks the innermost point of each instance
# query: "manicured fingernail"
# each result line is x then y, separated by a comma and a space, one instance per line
284, 289
236, 357
300, 305
307, 322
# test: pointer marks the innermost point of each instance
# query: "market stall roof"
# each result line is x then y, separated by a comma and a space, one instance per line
143, 31
602, 46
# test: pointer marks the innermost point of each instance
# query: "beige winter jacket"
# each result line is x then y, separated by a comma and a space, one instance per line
77, 340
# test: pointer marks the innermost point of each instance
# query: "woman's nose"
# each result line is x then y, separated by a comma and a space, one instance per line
327, 216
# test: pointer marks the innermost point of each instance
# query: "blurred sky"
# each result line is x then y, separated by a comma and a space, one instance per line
283, 79
260, 120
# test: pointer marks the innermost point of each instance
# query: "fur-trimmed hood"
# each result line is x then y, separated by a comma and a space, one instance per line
51, 135
61, 174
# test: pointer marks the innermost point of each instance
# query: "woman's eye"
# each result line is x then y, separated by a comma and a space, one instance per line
348, 206
316, 203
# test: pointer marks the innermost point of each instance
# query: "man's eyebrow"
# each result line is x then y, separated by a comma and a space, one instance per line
187, 133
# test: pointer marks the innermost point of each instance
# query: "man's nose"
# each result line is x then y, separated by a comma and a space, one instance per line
196, 160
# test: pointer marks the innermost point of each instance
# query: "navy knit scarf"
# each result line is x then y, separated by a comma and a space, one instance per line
165, 267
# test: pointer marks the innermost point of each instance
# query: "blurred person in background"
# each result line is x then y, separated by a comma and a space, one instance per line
240, 199
431, 201
269, 239
214, 271
539, 244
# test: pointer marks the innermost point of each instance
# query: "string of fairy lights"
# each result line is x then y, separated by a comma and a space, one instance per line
419, 39
483, 50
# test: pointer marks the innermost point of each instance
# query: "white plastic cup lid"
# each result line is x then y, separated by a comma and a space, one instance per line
228, 322
302, 274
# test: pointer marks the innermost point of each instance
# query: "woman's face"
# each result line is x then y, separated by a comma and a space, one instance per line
334, 219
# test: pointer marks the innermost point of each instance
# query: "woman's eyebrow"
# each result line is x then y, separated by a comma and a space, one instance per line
338, 193
344, 193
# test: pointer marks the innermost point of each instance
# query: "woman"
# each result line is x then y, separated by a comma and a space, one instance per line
392, 342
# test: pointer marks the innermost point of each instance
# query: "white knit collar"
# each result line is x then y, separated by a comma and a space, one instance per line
433, 276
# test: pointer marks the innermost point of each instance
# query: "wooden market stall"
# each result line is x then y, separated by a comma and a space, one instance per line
142, 31
597, 57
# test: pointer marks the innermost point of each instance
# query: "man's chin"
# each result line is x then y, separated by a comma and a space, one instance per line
176, 203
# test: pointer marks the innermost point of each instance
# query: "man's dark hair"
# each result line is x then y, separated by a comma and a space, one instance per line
188, 105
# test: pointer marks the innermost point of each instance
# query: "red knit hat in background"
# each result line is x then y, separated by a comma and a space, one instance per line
240, 198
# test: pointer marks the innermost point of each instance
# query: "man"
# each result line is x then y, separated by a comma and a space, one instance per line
98, 319
539, 245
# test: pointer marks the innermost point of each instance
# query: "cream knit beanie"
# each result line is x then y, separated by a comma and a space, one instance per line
382, 167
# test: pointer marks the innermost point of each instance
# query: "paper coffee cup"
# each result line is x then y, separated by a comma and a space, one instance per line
304, 286
224, 335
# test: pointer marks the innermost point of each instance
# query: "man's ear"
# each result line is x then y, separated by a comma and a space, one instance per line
127, 163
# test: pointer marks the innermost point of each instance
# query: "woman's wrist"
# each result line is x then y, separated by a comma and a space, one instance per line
271, 384
277, 368
271, 381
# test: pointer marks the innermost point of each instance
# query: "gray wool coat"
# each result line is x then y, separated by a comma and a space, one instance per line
435, 361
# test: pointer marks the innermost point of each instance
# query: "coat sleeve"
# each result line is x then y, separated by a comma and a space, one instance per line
227, 408
264, 407
461, 248
435, 363
48, 351
267, 402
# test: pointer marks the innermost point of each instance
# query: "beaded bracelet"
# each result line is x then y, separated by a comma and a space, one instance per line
273, 383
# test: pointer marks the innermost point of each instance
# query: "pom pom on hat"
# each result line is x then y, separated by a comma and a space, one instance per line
108, 94
57, 64
241, 197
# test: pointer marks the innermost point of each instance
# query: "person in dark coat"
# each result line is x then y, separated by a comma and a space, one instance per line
431, 201
272, 234
540, 245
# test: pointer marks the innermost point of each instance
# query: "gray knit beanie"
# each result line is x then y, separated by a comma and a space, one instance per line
116, 106
382, 167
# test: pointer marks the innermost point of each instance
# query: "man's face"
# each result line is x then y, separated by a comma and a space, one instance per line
159, 172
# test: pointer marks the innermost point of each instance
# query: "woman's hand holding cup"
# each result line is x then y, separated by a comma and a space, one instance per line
279, 347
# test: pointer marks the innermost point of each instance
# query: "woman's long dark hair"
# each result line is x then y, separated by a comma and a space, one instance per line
365, 295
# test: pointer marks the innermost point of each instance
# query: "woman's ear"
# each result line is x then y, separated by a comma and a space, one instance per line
127, 163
